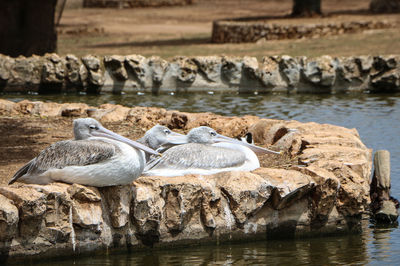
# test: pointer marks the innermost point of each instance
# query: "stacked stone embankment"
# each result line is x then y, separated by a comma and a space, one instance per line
134, 73
135, 3
231, 31
325, 190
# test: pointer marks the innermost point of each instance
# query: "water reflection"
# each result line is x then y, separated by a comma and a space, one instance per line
376, 117
317, 251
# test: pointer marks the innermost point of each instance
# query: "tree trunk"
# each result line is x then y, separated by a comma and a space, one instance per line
27, 27
306, 8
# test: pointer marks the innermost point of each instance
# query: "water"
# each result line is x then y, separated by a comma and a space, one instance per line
377, 119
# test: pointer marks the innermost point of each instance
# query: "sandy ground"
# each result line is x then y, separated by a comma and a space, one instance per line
186, 30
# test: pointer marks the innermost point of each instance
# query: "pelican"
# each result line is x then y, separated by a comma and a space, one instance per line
161, 138
206, 152
96, 157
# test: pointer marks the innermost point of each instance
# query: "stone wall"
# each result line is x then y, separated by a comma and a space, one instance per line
245, 31
135, 3
325, 190
134, 73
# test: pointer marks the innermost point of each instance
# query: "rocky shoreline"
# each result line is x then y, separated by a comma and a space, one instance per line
323, 189
134, 73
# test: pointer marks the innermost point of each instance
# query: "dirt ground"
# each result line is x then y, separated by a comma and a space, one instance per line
186, 30
23, 137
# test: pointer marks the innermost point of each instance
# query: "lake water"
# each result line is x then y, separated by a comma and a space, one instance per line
377, 119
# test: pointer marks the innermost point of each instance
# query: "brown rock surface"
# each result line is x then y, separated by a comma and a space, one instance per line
319, 185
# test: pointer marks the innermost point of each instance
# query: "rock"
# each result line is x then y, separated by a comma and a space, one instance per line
95, 73
388, 81
6, 63
324, 188
384, 6
291, 70
8, 219
320, 71
209, 66
147, 209
158, 69
25, 72
31, 205
113, 113
73, 66
246, 193
115, 64
7, 107
86, 207
137, 65
73, 109
187, 71
118, 203
231, 70
270, 75
53, 69
387, 214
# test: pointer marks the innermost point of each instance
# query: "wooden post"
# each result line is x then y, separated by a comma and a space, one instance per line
383, 206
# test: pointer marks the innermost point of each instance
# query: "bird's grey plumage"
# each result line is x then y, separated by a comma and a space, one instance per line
161, 138
67, 153
197, 155
206, 152
96, 157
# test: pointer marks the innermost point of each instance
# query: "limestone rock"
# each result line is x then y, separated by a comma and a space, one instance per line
73, 66
231, 70
95, 72
8, 219
6, 63
187, 71
112, 113
324, 189
25, 72
73, 109
158, 69
137, 65
118, 202
7, 107
209, 66
86, 207
270, 75
320, 71
291, 70
115, 64
31, 206
53, 69
147, 208
246, 193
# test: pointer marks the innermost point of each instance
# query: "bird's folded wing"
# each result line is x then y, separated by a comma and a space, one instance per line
196, 155
67, 153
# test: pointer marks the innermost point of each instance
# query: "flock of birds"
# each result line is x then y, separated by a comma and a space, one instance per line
99, 157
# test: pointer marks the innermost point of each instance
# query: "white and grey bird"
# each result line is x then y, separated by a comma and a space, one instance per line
206, 152
161, 138
96, 157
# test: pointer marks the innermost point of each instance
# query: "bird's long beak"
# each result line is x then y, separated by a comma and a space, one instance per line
254, 148
104, 132
175, 139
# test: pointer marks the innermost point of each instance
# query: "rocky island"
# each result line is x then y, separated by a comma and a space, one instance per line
319, 186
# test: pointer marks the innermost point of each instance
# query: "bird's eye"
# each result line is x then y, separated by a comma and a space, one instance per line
166, 131
93, 127
212, 133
